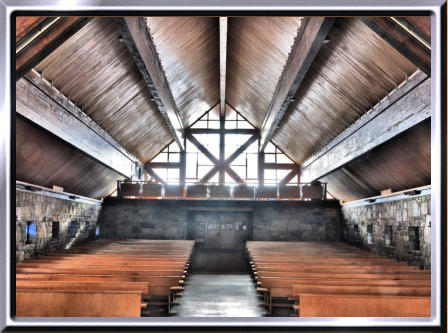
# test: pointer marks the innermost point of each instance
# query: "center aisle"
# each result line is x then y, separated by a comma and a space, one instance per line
219, 295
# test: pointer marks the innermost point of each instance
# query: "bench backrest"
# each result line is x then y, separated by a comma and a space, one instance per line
364, 306
78, 304
298, 289
23, 285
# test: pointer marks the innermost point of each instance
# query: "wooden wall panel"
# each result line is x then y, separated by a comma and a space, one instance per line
43, 160
99, 74
188, 49
402, 163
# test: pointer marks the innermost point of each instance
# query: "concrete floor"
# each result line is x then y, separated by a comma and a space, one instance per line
219, 285
219, 295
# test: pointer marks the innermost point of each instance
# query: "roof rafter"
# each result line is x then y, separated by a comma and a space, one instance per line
141, 46
310, 38
223, 62
43, 105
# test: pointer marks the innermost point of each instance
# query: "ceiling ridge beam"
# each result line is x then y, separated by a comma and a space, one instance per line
223, 62
43, 105
141, 45
393, 98
373, 129
401, 40
310, 38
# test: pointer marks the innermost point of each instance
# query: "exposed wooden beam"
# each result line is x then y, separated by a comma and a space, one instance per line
225, 165
241, 149
222, 146
219, 131
401, 41
154, 175
141, 46
408, 106
169, 165
261, 168
37, 101
422, 23
223, 62
202, 149
280, 166
209, 175
237, 179
310, 38
47, 42
290, 176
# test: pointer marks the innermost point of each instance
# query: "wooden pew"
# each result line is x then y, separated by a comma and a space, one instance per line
341, 275
78, 303
364, 306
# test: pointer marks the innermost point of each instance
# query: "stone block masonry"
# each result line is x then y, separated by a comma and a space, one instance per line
168, 219
43, 211
398, 215
140, 221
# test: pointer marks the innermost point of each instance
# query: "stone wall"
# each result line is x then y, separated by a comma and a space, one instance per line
167, 219
400, 215
43, 210
297, 224
142, 221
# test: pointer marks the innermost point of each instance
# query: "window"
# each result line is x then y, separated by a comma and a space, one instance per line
199, 166
171, 156
73, 229
414, 238
30, 233
356, 233
370, 234
55, 230
388, 236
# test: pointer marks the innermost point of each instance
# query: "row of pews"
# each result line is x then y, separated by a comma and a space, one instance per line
337, 280
103, 278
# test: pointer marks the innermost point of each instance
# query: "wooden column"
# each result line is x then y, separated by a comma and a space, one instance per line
261, 168
222, 144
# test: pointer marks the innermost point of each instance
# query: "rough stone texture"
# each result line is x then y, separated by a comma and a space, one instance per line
43, 211
140, 221
168, 220
400, 214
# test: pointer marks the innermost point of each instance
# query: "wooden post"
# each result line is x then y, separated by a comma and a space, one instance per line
261, 168
222, 144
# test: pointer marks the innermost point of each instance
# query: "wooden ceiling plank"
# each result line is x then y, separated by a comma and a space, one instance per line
410, 105
47, 42
311, 35
223, 62
141, 46
401, 40
46, 107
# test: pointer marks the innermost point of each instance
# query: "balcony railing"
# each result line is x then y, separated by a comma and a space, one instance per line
152, 190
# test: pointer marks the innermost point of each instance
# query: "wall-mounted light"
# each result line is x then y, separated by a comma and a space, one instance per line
120, 39
152, 98
413, 192
327, 40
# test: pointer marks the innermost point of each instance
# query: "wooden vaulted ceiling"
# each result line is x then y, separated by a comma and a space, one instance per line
349, 74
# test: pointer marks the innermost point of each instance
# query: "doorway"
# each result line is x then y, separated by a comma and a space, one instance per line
220, 229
